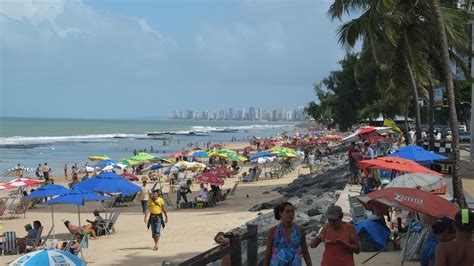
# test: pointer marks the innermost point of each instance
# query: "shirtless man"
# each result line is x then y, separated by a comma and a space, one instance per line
459, 252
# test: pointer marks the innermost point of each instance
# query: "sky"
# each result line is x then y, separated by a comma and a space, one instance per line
145, 58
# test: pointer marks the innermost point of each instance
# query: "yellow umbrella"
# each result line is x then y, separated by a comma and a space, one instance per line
129, 162
97, 158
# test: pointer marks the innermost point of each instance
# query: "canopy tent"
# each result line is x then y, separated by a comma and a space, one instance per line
408, 199
395, 164
426, 182
417, 154
108, 182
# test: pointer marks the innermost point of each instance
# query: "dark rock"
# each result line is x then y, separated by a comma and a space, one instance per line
314, 211
266, 192
260, 213
262, 206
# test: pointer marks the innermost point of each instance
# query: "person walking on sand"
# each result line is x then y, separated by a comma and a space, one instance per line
183, 189
144, 196
45, 170
286, 242
154, 216
65, 171
340, 239
38, 171
459, 252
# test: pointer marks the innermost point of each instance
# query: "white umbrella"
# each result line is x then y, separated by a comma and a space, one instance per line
262, 160
113, 166
426, 182
355, 136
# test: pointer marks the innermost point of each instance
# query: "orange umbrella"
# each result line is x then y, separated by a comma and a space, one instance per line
395, 164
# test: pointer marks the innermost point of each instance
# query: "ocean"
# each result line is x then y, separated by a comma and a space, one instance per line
29, 141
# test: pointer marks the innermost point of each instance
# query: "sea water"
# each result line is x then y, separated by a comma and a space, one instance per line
30, 141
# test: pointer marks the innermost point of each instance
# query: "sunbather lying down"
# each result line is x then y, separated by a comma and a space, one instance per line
76, 230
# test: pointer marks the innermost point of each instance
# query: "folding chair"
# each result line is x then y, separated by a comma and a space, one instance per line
36, 241
9, 246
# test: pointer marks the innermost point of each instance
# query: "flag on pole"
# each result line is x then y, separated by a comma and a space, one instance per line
390, 123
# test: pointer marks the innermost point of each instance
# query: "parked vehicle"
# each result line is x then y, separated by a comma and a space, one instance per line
465, 136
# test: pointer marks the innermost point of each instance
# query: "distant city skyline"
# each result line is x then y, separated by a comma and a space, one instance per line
243, 114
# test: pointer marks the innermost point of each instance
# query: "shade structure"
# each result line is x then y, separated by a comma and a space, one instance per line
408, 199
104, 162
23, 181
108, 182
395, 164
48, 191
220, 172
129, 176
17, 171
417, 154
262, 160
77, 196
199, 154
97, 158
48, 256
143, 156
263, 154
209, 178
426, 182
173, 169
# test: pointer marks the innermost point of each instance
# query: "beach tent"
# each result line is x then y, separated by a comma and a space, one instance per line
48, 256
108, 182
375, 231
50, 190
417, 154
410, 199
76, 197
426, 182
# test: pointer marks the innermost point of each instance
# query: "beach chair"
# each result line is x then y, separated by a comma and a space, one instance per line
2, 213
358, 213
353, 201
36, 241
43, 242
234, 188
84, 244
211, 201
9, 245
18, 211
104, 227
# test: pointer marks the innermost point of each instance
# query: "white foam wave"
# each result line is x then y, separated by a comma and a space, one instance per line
224, 128
21, 140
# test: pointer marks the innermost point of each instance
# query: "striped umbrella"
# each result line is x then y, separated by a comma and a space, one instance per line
97, 158
49, 256
17, 171
24, 181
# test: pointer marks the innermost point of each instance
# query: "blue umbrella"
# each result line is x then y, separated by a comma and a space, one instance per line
173, 169
49, 191
199, 154
76, 197
262, 154
417, 154
104, 162
48, 256
155, 166
109, 182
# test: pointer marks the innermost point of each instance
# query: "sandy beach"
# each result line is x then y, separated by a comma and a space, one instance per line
188, 232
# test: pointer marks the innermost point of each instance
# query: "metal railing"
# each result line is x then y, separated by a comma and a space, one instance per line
234, 250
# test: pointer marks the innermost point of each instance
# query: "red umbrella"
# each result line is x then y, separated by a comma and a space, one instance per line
411, 199
248, 148
176, 154
396, 164
130, 177
23, 181
209, 178
221, 171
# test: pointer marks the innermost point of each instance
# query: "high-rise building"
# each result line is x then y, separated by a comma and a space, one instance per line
231, 114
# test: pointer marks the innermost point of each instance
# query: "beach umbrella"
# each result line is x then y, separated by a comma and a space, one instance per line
143, 156
410, 199
23, 181
366, 133
199, 154
426, 182
262, 154
2, 185
395, 164
108, 182
17, 171
128, 162
195, 165
97, 158
155, 166
113, 166
50, 190
248, 148
262, 160
417, 154
220, 172
173, 169
104, 162
48, 256
218, 145
87, 169
129, 176
182, 164
176, 154
232, 156
193, 151
76, 197
208, 178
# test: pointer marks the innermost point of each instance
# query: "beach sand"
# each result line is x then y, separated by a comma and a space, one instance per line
188, 232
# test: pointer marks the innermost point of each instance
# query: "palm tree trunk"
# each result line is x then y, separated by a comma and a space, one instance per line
431, 113
453, 119
415, 99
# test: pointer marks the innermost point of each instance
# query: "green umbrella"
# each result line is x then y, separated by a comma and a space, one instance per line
143, 156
